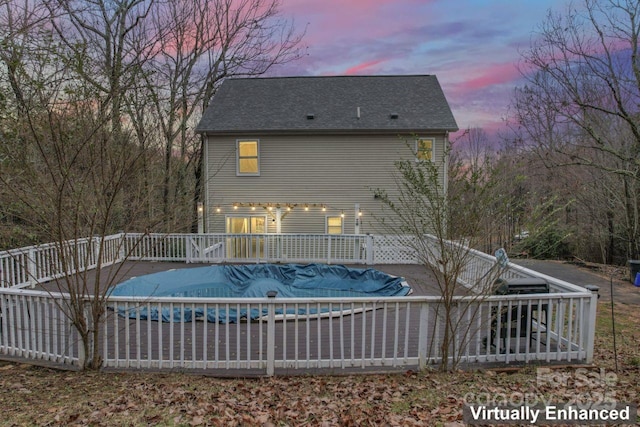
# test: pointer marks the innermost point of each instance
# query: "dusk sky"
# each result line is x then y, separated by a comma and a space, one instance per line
472, 46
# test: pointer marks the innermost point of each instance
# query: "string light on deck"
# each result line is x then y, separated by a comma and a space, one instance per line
287, 207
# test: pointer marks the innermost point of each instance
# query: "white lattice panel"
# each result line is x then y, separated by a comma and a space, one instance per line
394, 250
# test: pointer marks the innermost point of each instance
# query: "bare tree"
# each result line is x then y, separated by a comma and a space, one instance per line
29, 77
81, 139
579, 104
100, 38
441, 224
71, 189
475, 164
71, 172
199, 43
151, 68
475, 149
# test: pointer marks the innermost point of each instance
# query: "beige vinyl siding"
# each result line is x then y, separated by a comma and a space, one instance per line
337, 171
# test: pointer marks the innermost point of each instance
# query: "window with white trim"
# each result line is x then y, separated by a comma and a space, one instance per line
248, 157
424, 149
334, 225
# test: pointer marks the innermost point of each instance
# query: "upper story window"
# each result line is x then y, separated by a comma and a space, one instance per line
424, 149
248, 157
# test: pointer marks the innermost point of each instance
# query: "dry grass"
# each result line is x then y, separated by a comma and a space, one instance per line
40, 396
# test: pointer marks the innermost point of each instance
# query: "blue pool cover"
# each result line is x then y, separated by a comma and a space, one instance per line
254, 281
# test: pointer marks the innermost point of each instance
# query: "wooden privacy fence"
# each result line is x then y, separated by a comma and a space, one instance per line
276, 334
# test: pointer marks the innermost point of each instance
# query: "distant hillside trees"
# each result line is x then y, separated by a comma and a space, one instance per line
143, 70
578, 111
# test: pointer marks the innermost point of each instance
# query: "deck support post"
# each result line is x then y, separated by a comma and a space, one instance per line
423, 327
271, 333
278, 220
369, 250
32, 274
590, 326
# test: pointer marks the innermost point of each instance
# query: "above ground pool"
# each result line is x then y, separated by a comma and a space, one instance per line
254, 281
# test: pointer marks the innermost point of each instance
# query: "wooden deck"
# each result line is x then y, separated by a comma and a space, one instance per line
304, 346
385, 333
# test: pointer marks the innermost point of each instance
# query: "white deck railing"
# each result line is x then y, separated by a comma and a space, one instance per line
35, 325
380, 332
325, 248
37, 264
351, 333
42, 263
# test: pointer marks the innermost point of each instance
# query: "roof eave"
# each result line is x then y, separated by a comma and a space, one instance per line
325, 131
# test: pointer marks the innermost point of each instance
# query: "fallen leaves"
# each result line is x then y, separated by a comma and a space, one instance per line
178, 399
39, 396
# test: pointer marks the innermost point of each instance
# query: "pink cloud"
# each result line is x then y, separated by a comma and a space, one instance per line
473, 51
357, 69
493, 75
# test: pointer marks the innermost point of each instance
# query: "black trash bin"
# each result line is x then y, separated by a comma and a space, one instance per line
634, 268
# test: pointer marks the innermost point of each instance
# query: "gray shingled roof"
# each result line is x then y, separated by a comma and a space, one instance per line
282, 104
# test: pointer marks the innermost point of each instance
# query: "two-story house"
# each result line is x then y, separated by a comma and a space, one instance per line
304, 154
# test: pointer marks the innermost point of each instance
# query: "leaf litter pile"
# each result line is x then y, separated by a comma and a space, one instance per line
42, 396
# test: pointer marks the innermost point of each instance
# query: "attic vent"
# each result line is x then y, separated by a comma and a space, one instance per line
393, 115
311, 116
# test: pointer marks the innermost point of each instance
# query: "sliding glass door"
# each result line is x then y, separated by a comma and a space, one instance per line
249, 246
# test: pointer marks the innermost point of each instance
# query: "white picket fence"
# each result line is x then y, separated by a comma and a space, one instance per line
287, 334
